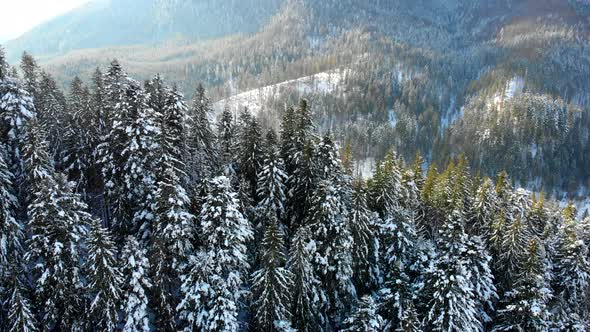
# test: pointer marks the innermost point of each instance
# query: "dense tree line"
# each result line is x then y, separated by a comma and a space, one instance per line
534, 136
123, 208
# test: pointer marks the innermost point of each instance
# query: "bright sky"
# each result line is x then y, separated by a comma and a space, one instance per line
19, 16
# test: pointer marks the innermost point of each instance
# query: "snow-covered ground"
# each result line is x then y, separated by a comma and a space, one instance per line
322, 83
365, 168
514, 87
392, 118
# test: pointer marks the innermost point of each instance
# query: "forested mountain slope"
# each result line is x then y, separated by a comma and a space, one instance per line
101, 23
124, 208
419, 73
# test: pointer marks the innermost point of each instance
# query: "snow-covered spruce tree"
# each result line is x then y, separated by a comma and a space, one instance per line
298, 152
521, 203
400, 244
244, 119
172, 239
196, 292
98, 106
104, 278
271, 188
484, 208
386, 190
135, 267
399, 236
413, 200
158, 91
3, 64
20, 315
509, 238
202, 163
271, 284
513, 248
503, 189
16, 107
227, 143
327, 165
174, 226
288, 145
418, 171
571, 281
526, 306
447, 192
478, 263
226, 234
300, 186
365, 317
309, 302
114, 83
50, 104
37, 163
365, 253
11, 230
271, 191
110, 150
11, 237
98, 92
329, 224
537, 216
78, 144
141, 154
30, 74
456, 300
94, 128
304, 127
164, 278
212, 288
326, 161
174, 122
251, 153
57, 224
462, 187
427, 195
414, 181
409, 321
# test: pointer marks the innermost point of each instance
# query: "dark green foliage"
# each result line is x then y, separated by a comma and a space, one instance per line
104, 278
201, 139
250, 153
227, 142
309, 299
272, 283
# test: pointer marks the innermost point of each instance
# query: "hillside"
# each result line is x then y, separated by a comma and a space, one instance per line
123, 205
417, 69
103, 23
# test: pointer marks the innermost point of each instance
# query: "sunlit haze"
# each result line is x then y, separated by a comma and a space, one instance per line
19, 16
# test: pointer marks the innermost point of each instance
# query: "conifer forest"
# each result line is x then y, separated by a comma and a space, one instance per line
294, 165
127, 207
